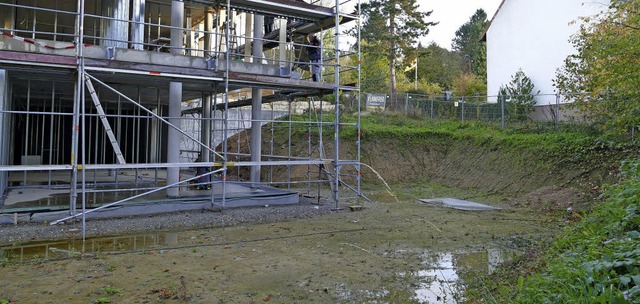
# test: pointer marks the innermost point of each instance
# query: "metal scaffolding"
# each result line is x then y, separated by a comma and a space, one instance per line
134, 103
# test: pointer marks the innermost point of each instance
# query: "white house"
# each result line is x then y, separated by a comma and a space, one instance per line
534, 36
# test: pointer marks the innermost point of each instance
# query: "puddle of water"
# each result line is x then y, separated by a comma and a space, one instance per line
442, 280
61, 200
439, 284
73, 247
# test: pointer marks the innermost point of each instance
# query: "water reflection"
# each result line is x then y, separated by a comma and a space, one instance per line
73, 247
442, 282
439, 284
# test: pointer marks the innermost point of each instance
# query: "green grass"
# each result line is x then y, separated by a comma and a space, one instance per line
110, 290
102, 300
555, 142
598, 260
595, 261
111, 267
572, 144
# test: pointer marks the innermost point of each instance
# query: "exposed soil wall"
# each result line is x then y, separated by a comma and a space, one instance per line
470, 164
458, 164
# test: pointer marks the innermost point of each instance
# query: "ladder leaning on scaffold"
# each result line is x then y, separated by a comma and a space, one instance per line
105, 122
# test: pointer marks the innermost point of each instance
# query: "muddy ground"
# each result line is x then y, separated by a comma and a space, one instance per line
383, 253
396, 250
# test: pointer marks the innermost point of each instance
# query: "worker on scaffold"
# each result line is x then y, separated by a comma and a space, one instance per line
315, 54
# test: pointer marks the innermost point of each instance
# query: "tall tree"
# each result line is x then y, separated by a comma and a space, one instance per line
467, 42
436, 65
603, 77
390, 27
374, 72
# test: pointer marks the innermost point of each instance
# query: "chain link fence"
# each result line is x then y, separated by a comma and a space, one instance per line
552, 109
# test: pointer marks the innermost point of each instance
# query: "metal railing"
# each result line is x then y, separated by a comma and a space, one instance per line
55, 28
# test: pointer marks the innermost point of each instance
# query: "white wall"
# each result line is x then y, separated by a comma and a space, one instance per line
534, 36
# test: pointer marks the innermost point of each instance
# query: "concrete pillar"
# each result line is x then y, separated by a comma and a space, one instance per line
248, 37
256, 104
177, 20
205, 134
175, 98
258, 34
188, 37
173, 136
115, 32
282, 46
256, 135
208, 36
137, 28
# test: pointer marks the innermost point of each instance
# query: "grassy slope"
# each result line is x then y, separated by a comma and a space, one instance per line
598, 260
595, 261
464, 155
479, 156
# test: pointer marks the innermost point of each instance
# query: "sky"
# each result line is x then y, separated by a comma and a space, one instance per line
451, 14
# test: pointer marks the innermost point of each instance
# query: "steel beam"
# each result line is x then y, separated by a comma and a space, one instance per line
289, 8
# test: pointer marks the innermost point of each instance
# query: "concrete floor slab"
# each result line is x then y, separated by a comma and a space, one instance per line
43, 205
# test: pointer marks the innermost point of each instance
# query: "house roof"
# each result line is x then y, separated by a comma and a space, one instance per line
497, 11
484, 36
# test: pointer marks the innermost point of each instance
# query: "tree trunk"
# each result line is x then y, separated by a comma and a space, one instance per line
392, 57
392, 79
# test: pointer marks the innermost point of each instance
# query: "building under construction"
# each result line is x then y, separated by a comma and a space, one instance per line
123, 107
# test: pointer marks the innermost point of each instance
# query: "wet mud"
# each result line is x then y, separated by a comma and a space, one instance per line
389, 252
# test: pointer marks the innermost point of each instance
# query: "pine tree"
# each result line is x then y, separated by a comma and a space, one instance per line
520, 94
468, 44
390, 28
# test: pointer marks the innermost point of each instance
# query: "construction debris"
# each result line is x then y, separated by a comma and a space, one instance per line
458, 204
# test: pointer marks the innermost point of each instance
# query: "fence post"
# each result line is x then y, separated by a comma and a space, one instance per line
557, 118
406, 104
502, 97
431, 109
462, 108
